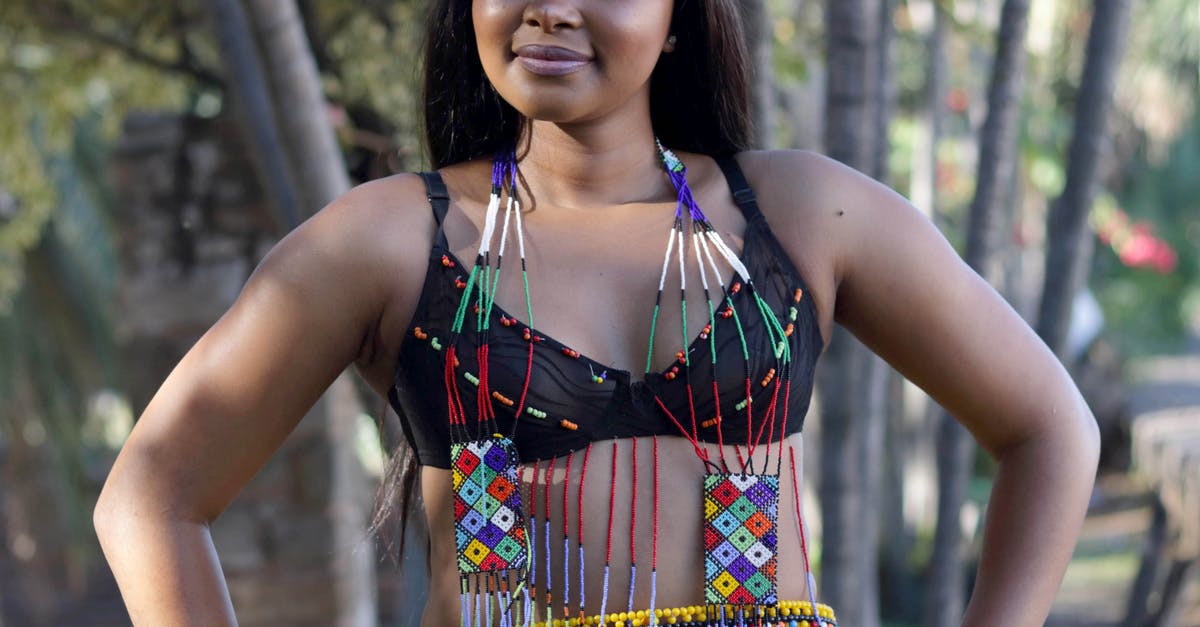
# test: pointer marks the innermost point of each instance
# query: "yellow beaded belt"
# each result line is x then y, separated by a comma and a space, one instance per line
786, 614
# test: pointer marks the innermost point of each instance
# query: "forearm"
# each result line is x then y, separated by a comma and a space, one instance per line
1036, 509
167, 570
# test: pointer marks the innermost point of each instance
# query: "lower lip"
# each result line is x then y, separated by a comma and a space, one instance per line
546, 67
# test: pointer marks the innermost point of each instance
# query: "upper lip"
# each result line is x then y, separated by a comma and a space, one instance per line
550, 53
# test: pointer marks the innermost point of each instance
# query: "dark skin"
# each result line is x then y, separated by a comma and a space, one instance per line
872, 262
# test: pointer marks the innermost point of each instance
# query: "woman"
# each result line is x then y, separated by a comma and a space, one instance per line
557, 104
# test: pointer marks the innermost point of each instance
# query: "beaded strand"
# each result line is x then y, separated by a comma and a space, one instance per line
582, 479
633, 529
566, 540
549, 575
810, 580
612, 503
533, 488
654, 542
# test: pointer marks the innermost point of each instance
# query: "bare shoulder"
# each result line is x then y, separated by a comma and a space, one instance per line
371, 246
809, 203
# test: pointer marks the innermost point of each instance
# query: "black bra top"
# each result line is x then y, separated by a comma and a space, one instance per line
561, 387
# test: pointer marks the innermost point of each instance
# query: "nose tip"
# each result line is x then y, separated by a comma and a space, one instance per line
552, 15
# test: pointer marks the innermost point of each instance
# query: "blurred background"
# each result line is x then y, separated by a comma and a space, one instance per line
152, 152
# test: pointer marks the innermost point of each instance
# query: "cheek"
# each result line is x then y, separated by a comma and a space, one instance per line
494, 22
631, 37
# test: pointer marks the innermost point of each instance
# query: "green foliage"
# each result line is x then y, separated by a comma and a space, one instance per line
1151, 310
49, 79
57, 331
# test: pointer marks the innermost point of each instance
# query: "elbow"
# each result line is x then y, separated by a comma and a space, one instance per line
1089, 438
107, 513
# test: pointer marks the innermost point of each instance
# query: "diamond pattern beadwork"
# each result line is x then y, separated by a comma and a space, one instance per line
740, 515
489, 522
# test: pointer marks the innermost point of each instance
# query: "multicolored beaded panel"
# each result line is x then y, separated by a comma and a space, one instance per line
740, 541
489, 522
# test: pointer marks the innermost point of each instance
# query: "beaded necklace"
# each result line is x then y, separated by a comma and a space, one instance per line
497, 547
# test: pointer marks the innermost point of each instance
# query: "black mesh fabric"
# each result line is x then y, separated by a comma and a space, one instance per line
624, 405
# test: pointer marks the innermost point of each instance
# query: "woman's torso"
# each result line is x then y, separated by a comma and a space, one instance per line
581, 308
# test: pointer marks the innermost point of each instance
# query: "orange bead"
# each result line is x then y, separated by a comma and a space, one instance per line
737, 287
797, 295
502, 398
567, 424
447, 262
789, 329
670, 376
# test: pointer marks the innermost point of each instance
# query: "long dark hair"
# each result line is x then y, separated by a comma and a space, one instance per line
699, 102
699, 98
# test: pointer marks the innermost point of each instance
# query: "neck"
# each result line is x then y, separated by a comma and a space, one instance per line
593, 165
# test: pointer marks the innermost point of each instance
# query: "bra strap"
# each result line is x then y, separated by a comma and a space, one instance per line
439, 201
742, 194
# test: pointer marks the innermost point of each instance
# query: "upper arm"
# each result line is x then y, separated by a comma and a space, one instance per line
905, 293
298, 322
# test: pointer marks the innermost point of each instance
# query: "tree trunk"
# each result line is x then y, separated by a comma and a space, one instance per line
1068, 243
945, 602
316, 159
760, 39
323, 547
248, 90
924, 180
852, 381
885, 95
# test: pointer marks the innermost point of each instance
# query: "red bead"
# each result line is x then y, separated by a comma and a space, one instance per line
737, 287
447, 262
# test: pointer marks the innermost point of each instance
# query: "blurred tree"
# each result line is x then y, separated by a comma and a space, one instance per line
852, 381
247, 87
1068, 243
317, 175
760, 40
946, 594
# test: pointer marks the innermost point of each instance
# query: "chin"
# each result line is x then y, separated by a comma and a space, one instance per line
538, 106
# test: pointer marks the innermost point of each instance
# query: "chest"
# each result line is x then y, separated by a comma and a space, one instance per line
593, 285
